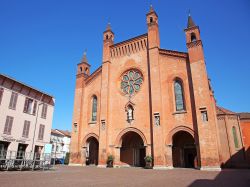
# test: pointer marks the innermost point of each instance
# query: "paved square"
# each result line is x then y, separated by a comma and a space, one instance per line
64, 176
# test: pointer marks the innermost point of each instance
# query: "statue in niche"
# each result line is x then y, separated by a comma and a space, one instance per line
157, 119
130, 113
103, 124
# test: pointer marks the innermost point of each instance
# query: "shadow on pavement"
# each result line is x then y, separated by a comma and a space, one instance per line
230, 177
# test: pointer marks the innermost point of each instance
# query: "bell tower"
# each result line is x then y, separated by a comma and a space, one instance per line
108, 40
153, 29
193, 41
83, 72
83, 67
203, 101
155, 89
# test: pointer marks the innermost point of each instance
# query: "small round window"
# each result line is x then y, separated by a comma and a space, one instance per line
131, 82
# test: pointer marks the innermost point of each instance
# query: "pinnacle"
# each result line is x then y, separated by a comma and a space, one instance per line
151, 8
108, 27
84, 58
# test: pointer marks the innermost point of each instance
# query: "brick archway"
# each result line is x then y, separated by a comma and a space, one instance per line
84, 141
183, 147
131, 144
177, 129
90, 145
118, 141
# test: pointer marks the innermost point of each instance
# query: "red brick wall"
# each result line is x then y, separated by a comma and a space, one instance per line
245, 127
230, 155
156, 95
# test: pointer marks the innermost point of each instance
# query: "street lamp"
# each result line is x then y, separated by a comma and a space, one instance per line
32, 148
54, 161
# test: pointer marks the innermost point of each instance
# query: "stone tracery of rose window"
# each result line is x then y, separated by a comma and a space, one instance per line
131, 82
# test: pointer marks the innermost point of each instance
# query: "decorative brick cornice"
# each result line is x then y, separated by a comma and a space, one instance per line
173, 53
156, 47
143, 36
84, 63
226, 114
107, 61
153, 23
220, 117
232, 117
130, 46
191, 28
151, 13
81, 75
94, 74
194, 44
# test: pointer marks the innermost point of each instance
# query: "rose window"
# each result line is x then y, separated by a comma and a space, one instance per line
131, 82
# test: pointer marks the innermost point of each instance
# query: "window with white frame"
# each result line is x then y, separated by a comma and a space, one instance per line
30, 106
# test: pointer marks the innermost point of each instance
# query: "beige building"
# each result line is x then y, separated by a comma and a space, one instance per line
25, 117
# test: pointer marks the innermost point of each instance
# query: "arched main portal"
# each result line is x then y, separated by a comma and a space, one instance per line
184, 152
132, 150
92, 151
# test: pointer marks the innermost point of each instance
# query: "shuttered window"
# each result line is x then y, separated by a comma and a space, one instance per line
34, 108
13, 100
8, 125
26, 128
44, 111
41, 132
1, 95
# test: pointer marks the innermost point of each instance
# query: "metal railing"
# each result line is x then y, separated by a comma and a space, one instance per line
13, 160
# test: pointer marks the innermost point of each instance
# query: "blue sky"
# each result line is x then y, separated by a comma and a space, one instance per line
42, 41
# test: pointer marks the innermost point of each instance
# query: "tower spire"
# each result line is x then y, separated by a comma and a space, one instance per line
190, 20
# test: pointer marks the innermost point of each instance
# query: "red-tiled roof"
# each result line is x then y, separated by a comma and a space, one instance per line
55, 131
66, 133
221, 110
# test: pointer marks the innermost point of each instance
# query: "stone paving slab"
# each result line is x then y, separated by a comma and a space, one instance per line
64, 176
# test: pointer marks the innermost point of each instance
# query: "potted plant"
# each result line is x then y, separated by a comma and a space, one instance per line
148, 159
110, 161
66, 160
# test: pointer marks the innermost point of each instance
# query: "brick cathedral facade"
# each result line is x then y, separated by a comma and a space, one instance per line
145, 100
